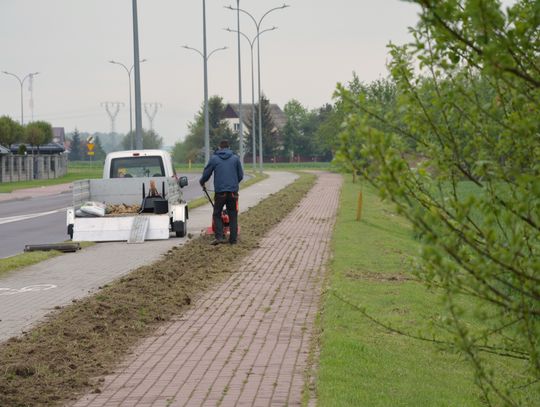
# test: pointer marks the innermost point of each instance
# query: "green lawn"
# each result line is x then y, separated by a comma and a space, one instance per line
25, 259
361, 363
296, 166
266, 166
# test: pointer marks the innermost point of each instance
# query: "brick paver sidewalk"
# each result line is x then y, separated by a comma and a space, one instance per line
245, 342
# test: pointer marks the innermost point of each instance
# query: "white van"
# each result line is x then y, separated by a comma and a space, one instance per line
135, 177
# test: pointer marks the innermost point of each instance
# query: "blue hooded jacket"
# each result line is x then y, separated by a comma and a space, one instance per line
227, 171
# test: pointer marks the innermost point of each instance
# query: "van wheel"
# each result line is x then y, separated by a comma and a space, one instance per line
179, 228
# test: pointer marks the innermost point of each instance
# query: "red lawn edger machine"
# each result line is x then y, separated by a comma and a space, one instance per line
211, 230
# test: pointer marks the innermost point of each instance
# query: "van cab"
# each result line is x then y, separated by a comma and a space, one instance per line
138, 164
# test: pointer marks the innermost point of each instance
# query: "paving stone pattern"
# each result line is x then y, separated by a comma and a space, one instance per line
246, 342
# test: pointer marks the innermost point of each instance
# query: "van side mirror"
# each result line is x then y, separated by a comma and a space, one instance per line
183, 181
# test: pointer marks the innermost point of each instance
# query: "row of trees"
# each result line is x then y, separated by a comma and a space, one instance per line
307, 133
35, 133
78, 149
106, 143
452, 138
192, 148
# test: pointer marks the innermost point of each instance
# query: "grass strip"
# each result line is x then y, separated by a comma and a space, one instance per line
364, 364
65, 356
26, 259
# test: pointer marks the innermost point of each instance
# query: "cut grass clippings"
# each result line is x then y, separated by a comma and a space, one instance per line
65, 356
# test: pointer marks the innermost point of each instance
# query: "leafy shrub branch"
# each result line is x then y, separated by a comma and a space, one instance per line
453, 140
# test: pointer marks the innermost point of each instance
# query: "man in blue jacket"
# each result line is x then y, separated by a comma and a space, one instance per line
228, 173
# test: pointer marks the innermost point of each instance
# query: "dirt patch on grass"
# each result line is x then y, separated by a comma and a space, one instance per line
66, 356
379, 277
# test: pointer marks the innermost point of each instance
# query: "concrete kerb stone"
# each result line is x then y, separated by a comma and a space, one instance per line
28, 294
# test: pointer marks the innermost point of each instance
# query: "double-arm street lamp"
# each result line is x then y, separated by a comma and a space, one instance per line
240, 123
258, 27
206, 114
201, 54
251, 44
21, 82
129, 70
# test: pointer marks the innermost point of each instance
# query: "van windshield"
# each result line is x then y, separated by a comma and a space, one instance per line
128, 167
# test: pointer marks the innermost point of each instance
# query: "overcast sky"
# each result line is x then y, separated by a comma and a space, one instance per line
317, 44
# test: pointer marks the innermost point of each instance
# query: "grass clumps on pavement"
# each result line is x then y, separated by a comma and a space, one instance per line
61, 358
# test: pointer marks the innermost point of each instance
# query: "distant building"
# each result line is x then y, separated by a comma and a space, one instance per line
279, 119
59, 136
231, 115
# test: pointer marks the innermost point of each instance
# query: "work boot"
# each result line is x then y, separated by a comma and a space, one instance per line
215, 242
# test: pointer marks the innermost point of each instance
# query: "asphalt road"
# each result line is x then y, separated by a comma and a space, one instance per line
43, 220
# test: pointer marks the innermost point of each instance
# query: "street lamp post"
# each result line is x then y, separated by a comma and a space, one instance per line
21, 82
138, 108
205, 74
130, 104
206, 115
240, 122
258, 26
251, 44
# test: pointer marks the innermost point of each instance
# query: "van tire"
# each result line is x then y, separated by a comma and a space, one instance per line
179, 227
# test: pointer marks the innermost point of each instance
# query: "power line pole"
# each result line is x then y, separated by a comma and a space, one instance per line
112, 109
150, 109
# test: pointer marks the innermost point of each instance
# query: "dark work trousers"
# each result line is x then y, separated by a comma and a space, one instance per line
228, 199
